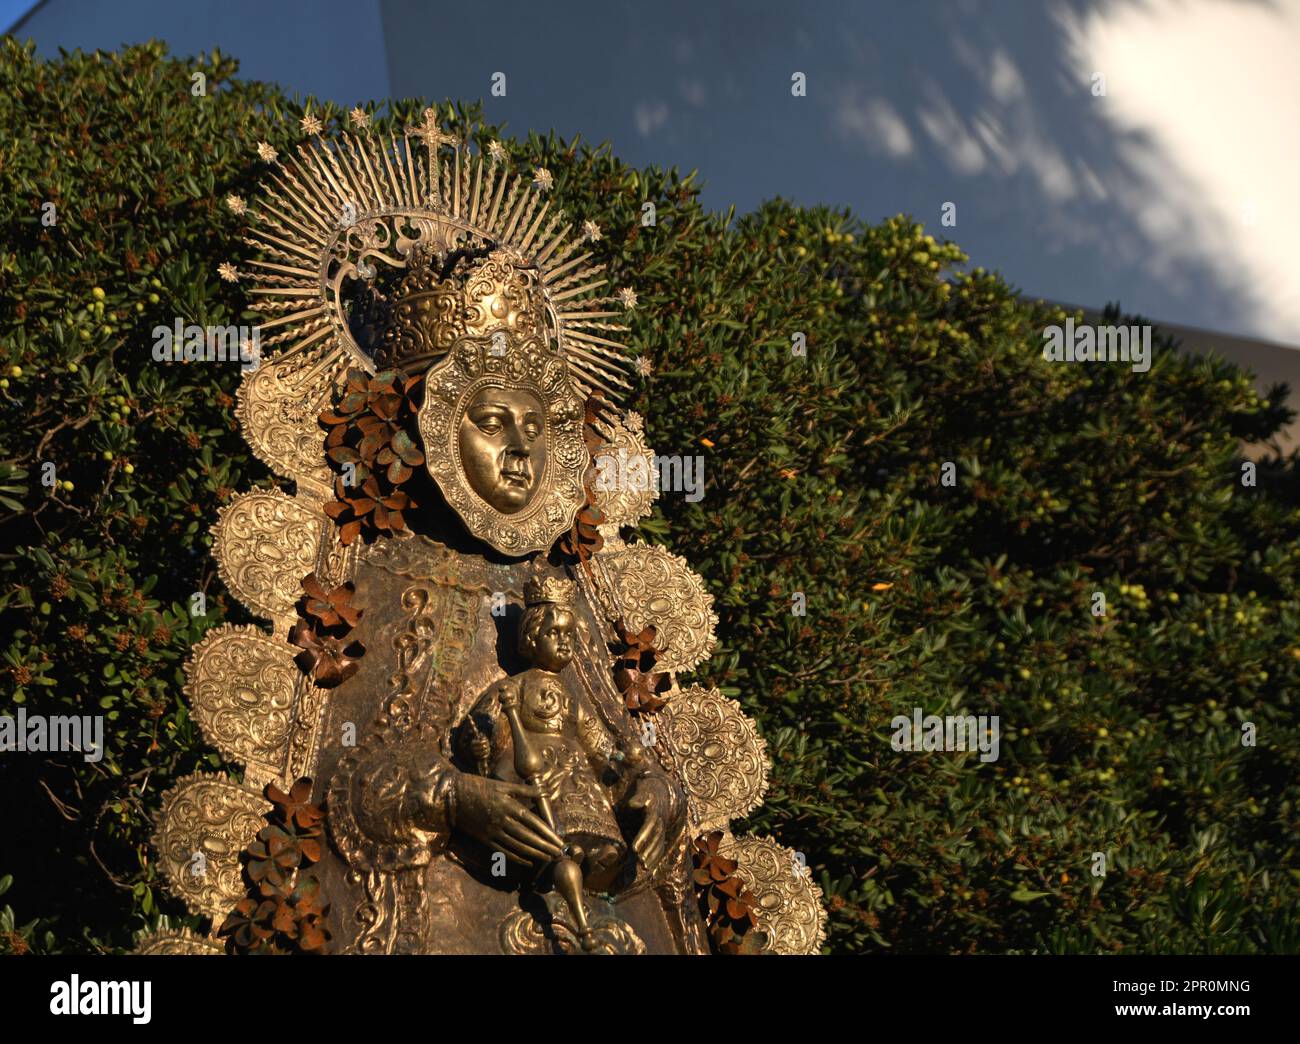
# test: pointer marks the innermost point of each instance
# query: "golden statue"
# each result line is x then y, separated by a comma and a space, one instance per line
450, 595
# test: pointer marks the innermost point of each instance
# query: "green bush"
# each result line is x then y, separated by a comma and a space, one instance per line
1121, 734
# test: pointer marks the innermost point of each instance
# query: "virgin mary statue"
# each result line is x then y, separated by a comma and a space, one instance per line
462, 730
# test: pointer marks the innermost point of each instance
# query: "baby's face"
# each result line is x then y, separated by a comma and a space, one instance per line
554, 648
544, 704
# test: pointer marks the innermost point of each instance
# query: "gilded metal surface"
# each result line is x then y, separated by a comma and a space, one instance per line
341, 209
179, 943
494, 297
418, 557
626, 483
523, 933
384, 819
205, 822
789, 902
720, 757
279, 404
431, 651
502, 430
651, 586
241, 686
265, 542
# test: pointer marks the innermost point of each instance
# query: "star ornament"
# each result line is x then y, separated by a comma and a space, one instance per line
311, 124
542, 179
497, 151
627, 298
643, 366
236, 204
265, 153
590, 231
228, 272
359, 118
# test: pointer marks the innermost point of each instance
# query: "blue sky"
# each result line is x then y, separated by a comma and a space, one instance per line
1169, 192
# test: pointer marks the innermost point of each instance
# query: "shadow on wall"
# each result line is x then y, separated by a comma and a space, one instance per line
986, 105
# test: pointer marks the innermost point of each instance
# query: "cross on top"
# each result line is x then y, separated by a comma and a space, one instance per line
432, 135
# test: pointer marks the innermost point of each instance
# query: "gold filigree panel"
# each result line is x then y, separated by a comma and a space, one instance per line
241, 685
265, 542
721, 759
419, 557
648, 586
626, 483
279, 404
179, 943
204, 824
790, 907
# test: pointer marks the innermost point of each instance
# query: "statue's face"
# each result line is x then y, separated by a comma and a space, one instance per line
543, 705
553, 647
503, 446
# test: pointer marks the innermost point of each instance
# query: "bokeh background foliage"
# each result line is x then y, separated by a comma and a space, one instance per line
1120, 735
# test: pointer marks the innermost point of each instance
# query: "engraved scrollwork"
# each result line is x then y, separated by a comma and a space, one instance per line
522, 933
648, 585
279, 403
241, 685
790, 907
179, 943
204, 824
626, 485
265, 542
721, 759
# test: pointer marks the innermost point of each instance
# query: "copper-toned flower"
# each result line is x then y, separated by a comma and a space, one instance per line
248, 925
329, 660
272, 859
328, 610
634, 670
309, 913
710, 866
370, 441
728, 907
400, 457
295, 808
285, 910
584, 539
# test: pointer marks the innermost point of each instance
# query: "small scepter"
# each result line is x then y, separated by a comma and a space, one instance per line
528, 766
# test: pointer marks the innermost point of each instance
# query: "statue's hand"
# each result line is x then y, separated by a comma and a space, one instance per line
499, 815
650, 796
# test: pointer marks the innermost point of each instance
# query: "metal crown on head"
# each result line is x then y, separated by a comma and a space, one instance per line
551, 590
377, 249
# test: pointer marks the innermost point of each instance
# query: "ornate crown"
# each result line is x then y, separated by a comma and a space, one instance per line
443, 296
375, 249
551, 590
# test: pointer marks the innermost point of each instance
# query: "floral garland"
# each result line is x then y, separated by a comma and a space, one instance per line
283, 911
634, 670
326, 618
729, 909
370, 446
584, 539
